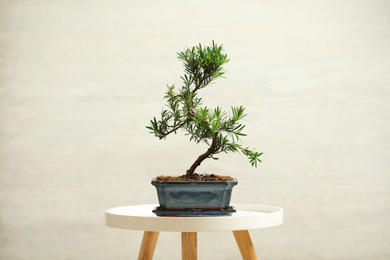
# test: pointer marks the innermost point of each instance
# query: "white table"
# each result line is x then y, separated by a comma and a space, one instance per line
141, 217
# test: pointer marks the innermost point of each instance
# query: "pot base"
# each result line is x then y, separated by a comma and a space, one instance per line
194, 212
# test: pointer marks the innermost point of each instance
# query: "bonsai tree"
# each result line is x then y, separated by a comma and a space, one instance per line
219, 130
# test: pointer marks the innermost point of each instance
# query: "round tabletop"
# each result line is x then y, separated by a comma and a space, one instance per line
141, 217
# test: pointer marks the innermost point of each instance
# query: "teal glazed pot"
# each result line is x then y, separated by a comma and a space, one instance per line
194, 195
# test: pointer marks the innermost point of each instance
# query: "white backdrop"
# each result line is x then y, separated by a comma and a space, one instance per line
80, 80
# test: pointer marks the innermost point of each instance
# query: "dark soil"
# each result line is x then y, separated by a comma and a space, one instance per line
195, 177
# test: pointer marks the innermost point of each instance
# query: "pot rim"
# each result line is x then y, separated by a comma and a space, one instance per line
197, 182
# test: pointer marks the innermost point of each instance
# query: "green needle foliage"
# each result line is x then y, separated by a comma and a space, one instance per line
220, 130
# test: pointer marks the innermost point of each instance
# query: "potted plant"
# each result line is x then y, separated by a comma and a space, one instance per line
193, 193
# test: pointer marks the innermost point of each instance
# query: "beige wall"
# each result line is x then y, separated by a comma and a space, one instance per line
79, 80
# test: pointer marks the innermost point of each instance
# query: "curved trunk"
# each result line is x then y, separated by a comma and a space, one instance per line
202, 157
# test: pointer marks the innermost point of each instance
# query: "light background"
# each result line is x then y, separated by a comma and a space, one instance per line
79, 81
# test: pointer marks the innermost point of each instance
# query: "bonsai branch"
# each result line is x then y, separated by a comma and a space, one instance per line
171, 131
199, 85
204, 156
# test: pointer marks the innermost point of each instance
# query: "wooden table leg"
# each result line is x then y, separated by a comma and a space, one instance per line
244, 242
148, 245
189, 246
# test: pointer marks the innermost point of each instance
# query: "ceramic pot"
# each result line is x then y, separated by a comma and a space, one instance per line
194, 195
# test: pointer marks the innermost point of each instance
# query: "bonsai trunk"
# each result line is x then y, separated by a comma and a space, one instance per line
201, 158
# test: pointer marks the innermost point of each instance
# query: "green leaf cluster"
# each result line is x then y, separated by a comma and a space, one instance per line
220, 130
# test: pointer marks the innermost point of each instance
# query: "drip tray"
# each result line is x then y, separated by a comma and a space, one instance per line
194, 212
